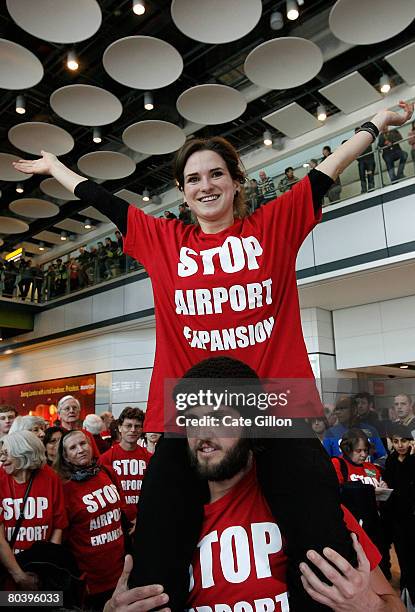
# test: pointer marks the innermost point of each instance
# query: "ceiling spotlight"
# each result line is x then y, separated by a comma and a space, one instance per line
8, 352
384, 83
87, 224
139, 8
72, 60
64, 236
96, 135
20, 104
404, 366
146, 195
306, 165
292, 10
321, 112
276, 21
41, 246
19, 188
267, 138
148, 100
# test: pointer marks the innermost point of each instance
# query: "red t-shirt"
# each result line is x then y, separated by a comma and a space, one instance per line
94, 533
239, 563
44, 510
232, 293
129, 468
368, 473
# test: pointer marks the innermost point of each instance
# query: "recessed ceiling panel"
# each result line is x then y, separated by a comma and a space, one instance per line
19, 68
131, 197
282, 63
92, 213
143, 62
211, 104
351, 92
9, 225
403, 61
54, 189
216, 21
33, 208
57, 21
106, 165
86, 105
31, 247
370, 21
154, 137
72, 226
292, 120
35, 136
7, 171
47, 236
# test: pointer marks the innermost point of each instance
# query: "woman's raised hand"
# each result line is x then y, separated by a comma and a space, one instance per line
391, 118
43, 165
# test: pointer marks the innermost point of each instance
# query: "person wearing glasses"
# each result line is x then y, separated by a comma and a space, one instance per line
69, 410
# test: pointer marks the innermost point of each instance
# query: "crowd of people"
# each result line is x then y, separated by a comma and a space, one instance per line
246, 521
80, 497
77, 486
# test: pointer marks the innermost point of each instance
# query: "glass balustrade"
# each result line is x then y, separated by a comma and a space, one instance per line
101, 261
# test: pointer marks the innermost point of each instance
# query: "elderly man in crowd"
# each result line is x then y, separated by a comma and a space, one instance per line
69, 410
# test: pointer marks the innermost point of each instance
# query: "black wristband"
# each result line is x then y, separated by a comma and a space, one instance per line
370, 126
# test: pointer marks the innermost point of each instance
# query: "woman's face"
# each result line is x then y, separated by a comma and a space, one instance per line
209, 188
52, 446
318, 426
39, 431
153, 437
359, 453
77, 450
8, 463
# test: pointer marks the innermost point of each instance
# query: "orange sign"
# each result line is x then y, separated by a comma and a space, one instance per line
41, 398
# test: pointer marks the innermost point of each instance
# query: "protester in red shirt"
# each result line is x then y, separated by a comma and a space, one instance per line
360, 483
22, 458
226, 284
69, 410
127, 460
352, 466
93, 502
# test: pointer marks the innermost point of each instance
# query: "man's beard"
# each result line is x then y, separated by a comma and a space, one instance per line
235, 460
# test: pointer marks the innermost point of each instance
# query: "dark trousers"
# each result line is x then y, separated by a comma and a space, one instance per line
390, 158
299, 484
366, 173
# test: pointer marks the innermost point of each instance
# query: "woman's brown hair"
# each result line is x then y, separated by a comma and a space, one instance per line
229, 155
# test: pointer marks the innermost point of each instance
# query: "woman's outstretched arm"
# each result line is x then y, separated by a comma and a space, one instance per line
91, 193
342, 157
